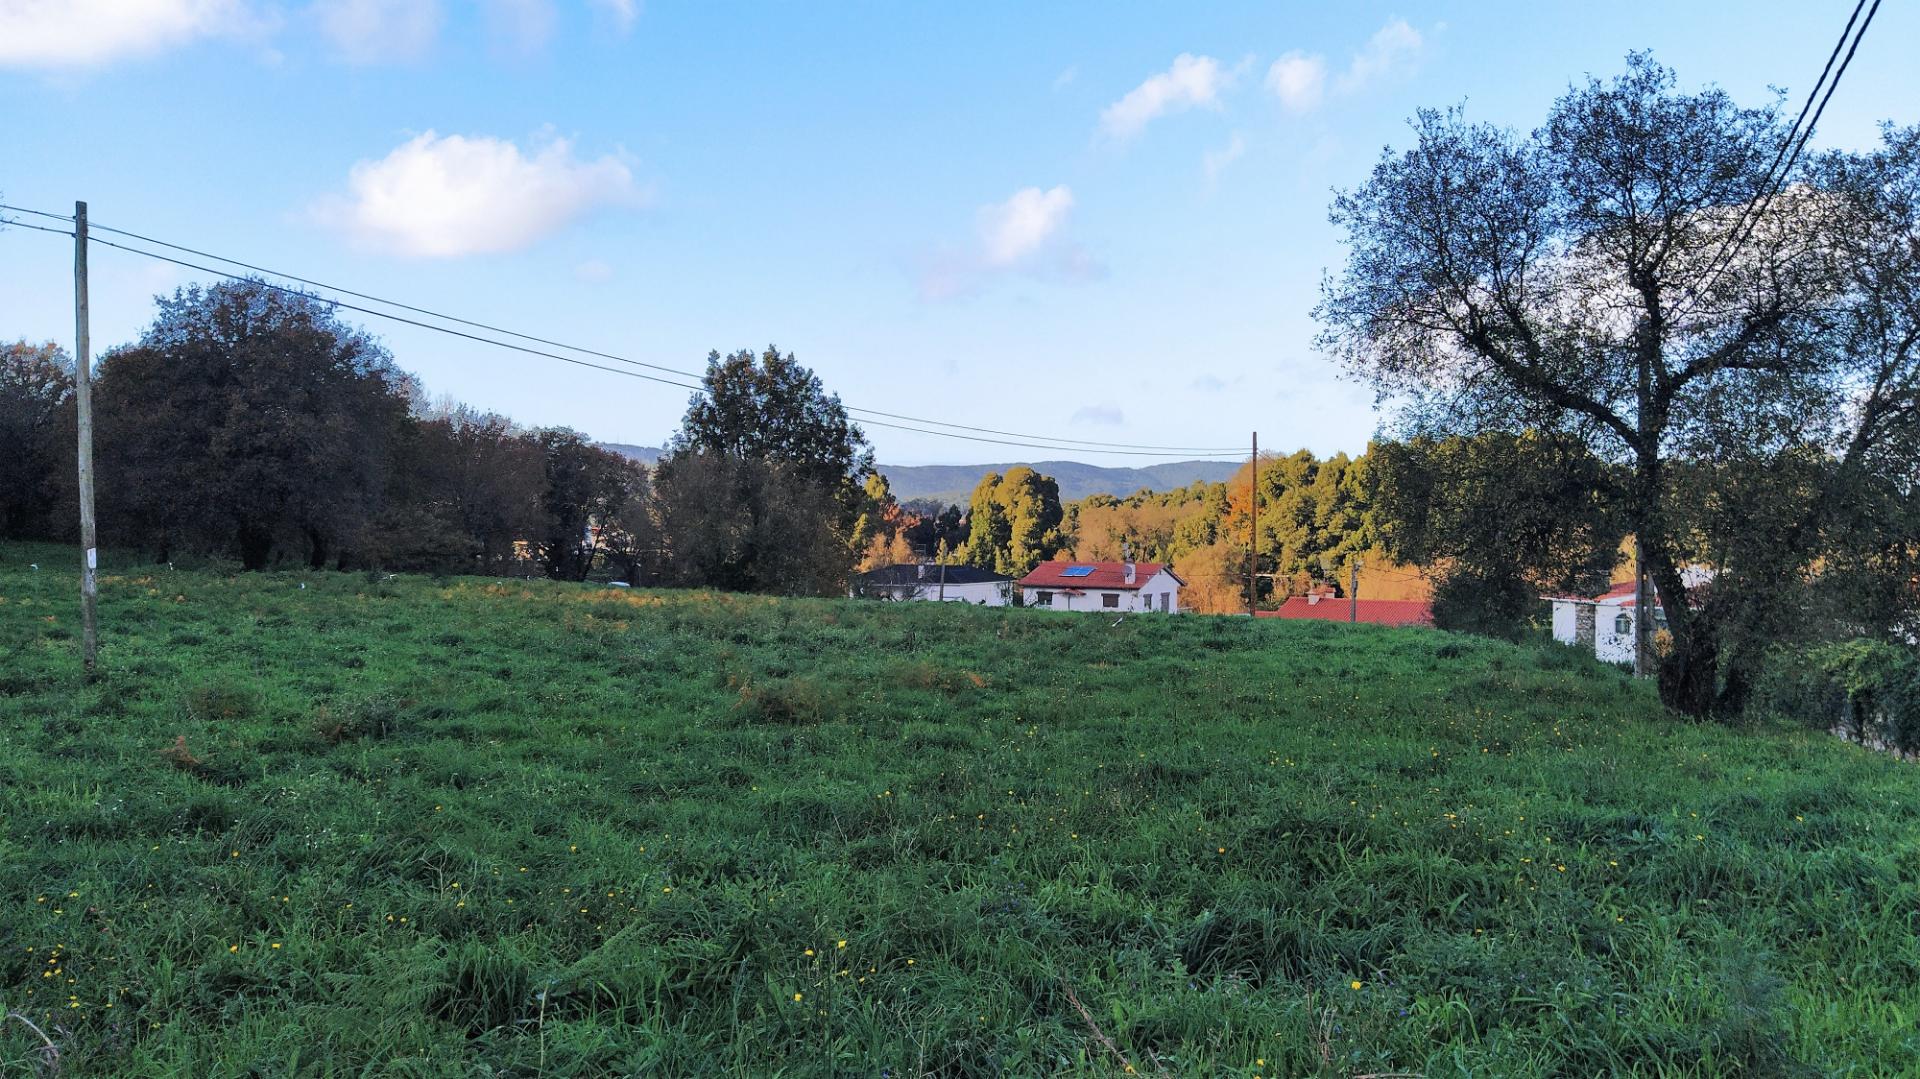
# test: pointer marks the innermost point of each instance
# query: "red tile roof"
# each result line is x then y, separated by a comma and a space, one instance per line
1104, 575
1379, 612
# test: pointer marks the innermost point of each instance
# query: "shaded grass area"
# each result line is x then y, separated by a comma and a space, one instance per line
411, 827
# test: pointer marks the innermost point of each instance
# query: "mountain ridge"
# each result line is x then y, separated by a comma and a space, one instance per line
1077, 480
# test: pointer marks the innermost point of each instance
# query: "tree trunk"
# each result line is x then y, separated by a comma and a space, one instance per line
317, 556
256, 545
1689, 676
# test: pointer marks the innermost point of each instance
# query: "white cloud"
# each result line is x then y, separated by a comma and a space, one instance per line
1025, 234
520, 27
442, 197
82, 33
1214, 162
1105, 415
1392, 47
624, 13
1298, 80
379, 31
1012, 230
1192, 82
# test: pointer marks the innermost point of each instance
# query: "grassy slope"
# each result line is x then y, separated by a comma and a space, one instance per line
536, 826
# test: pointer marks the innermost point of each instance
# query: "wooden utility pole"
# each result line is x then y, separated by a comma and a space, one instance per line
1353, 590
1642, 616
83, 401
1253, 529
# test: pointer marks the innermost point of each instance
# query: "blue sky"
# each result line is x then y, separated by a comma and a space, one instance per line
1094, 221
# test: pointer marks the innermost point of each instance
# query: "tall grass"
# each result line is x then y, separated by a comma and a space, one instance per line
529, 828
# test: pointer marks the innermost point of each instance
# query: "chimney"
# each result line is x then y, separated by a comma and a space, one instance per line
1127, 553
1313, 597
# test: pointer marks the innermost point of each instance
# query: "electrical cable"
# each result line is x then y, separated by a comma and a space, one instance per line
1033, 441
695, 388
1796, 138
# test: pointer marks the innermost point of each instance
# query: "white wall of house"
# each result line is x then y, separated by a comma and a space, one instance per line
982, 593
1161, 593
1565, 630
1612, 639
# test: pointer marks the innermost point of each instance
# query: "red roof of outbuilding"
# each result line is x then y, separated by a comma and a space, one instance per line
1104, 575
1379, 612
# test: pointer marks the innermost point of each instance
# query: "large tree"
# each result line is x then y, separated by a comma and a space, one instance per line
36, 392
1014, 521
1599, 278
248, 420
775, 410
761, 488
586, 498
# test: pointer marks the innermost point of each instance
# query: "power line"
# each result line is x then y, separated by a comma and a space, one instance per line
1032, 441
695, 388
36, 228
1796, 139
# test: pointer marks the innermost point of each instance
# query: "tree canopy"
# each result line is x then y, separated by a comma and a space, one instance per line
762, 486
1600, 278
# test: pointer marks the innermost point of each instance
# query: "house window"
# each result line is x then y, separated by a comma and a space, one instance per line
1622, 624
1043, 599
1110, 599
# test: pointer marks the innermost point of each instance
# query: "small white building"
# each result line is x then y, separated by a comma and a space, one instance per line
935, 583
1102, 586
1606, 621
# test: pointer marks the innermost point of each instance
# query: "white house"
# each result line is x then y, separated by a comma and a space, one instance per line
1606, 621
935, 583
1102, 586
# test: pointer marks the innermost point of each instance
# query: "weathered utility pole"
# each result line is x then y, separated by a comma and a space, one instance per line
1642, 625
1253, 529
83, 401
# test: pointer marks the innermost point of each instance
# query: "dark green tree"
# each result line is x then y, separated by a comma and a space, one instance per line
1501, 518
587, 492
36, 393
761, 487
249, 421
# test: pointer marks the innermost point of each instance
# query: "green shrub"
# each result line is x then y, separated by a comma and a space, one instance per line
1868, 690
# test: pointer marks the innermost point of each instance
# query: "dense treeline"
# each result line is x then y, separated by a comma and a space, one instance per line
249, 423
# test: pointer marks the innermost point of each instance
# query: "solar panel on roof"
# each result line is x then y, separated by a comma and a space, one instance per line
1077, 571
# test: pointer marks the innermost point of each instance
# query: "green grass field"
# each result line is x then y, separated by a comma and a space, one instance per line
472, 827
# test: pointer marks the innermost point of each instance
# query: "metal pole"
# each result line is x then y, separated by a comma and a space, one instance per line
1253, 529
83, 401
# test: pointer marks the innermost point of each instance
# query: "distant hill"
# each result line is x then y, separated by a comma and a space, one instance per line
646, 455
955, 483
